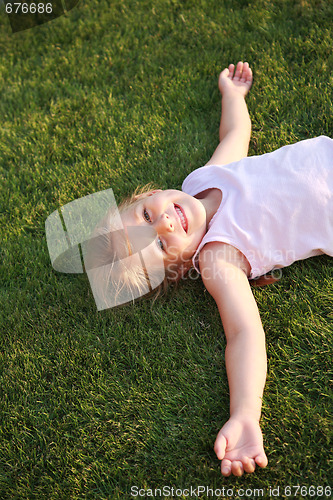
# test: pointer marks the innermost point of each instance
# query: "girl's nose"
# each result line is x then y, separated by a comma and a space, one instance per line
164, 223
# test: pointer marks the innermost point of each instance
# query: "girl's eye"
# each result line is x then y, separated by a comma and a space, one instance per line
160, 244
147, 218
146, 215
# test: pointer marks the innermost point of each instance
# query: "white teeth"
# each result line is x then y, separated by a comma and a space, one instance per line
182, 218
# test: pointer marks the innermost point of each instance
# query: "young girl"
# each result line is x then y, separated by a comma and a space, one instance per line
235, 219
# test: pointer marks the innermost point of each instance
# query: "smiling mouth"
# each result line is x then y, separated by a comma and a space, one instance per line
182, 217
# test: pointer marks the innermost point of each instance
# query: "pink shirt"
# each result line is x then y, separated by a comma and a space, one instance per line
276, 208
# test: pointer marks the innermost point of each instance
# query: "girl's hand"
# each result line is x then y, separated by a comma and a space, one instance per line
239, 80
239, 445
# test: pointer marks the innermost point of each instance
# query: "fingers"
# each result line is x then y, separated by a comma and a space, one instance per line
226, 467
224, 75
226, 72
237, 78
220, 446
243, 72
261, 460
231, 69
239, 70
238, 467
249, 465
247, 75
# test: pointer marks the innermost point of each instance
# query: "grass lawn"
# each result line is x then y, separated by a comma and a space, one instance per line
116, 94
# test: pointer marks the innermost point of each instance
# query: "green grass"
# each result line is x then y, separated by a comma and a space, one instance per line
116, 94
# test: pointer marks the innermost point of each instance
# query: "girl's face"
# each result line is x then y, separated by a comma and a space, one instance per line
178, 219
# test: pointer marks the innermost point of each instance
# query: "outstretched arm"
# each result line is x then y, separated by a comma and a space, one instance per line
239, 443
235, 126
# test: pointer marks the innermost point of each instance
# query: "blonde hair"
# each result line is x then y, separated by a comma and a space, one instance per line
106, 256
